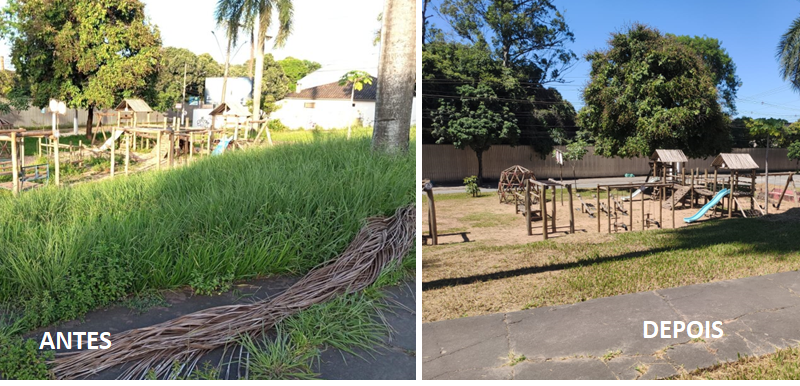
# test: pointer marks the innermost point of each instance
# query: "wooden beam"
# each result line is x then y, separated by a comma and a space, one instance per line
554, 210
543, 207
571, 211
14, 165
113, 150
528, 206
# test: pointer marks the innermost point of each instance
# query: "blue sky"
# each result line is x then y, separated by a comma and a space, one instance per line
748, 30
337, 34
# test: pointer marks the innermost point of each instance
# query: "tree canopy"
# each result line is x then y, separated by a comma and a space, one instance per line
529, 35
167, 90
649, 91
788, 55
274, 83
721, 65
296, 69
89, 53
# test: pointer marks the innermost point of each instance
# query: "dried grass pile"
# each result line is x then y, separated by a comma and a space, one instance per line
381, 242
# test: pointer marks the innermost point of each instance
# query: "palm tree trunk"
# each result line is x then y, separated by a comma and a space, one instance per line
225, 75
259, 71
251, 63
396, 76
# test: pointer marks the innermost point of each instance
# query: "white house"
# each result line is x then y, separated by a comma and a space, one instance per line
328, 106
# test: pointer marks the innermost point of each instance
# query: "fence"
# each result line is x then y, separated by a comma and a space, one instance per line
446, 164
34, 118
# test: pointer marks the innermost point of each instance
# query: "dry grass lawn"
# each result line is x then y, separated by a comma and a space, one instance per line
503, 269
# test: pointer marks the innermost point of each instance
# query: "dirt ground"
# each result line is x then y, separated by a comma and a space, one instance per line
498, 241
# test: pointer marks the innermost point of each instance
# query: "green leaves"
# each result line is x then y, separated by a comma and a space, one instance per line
89, 53
651, 91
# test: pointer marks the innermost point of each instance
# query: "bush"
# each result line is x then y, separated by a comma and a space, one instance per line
472, 186
276, 126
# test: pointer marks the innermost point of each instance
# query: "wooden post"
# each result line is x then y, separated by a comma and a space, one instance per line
683, 174
543, 206
210, 137
171, 151
40, 146
597, 208
673, 205
113, 150
661, 207
715, 179
554, 210
691, 192
753, 190
158, 151
191, 146
528, 206
630, 210
730, 195
14, 165
56, 161
127, 152
571, 211
431, 215
119, 118
22, 151
643, 221
608, 208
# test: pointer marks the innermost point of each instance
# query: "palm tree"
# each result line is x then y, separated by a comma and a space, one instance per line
396, 76
357, 79
788, 55
256, 15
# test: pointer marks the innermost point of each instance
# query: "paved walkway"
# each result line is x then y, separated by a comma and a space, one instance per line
602, 338
394, 358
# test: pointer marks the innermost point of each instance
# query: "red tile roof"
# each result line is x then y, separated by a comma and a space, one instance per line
335, 91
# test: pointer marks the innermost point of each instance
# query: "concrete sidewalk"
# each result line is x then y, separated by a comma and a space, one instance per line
603, 338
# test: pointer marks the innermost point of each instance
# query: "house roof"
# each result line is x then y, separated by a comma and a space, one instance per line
669, 156
735, 161
335, 91
135, 105
230, 108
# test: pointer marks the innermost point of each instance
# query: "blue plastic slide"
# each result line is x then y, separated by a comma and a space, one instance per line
714, 201
222, 145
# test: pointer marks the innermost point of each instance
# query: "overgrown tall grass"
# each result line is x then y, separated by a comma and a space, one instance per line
280, 210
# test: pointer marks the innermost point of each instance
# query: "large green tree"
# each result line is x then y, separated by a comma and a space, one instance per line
274, 83
721, 65
529, 35
296, 69
469, 98
167, 90
649, 91
89, 53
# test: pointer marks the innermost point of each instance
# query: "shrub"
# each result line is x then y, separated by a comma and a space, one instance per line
471, 183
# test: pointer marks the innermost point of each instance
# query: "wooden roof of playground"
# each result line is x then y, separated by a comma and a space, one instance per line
669, 156
134, 105
735, 161
230, 108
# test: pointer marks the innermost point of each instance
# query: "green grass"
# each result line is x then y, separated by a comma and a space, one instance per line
783, 364
32, 144
258, 212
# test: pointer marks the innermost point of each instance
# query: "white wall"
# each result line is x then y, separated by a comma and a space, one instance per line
328, 113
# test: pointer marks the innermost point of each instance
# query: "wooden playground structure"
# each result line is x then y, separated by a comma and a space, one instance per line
669, 186
167, 141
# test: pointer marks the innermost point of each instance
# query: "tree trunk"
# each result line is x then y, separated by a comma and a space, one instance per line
251, 63
90, 122
227, 69
479, 154
259, 72
424, 19
766, 174
396, 76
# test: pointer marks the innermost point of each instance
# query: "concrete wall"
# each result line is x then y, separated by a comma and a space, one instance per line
446, 164
328, 113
